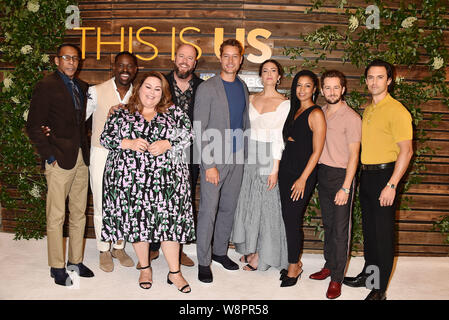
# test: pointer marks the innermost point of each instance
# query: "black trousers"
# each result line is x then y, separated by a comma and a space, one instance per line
293, 211
194, 170
378, 224
336, 219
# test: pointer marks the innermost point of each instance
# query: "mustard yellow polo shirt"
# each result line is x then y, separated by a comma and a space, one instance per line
383, 126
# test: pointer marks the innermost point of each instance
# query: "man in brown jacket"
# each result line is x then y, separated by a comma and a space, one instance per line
59, 102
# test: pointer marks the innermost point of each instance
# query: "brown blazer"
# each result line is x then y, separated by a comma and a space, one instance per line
52, 106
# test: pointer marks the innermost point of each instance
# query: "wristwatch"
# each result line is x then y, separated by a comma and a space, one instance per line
392, 186
346, 190
51, 159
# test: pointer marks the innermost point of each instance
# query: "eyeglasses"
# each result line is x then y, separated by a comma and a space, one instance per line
66, 57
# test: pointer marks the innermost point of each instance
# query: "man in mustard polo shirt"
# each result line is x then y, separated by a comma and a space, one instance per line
387, 135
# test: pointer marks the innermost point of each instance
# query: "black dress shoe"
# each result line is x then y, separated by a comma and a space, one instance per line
356, 282
205, 274
376, 295
61, 276
226, 262
81, 269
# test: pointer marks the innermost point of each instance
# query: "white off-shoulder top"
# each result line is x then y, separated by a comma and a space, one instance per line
267, 127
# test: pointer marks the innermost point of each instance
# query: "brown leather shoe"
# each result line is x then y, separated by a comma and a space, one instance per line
320, 275
123, 257
376, 295
106, 263
334, 290
186, 261
153, 256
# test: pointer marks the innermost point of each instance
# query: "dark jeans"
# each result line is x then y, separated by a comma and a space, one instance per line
336, 219
378, 224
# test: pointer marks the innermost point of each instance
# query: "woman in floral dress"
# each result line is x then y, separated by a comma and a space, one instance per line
146, 190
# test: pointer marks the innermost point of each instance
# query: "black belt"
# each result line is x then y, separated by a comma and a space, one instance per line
380, 166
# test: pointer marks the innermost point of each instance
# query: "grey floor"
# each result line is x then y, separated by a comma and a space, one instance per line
24, 274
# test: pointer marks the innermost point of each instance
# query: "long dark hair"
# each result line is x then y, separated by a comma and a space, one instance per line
295, 104
278, 66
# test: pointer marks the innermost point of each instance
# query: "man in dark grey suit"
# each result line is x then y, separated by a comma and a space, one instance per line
221, 110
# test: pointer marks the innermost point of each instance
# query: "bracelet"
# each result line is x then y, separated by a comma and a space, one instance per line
346, 190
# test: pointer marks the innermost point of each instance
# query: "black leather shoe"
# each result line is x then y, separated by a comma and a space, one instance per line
205, 274
225, 262
81, 269
356, 282
61, 276
376, 295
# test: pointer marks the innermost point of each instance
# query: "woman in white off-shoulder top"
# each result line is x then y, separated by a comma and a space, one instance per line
259, 231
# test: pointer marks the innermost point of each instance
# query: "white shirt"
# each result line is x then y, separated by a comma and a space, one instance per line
92, 101
267, 126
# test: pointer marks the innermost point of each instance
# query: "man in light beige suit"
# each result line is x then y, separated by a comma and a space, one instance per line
101, 98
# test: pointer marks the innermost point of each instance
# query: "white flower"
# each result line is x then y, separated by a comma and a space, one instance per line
45, 58
7, 82
15, 100
438, 62
26, 49
35, 192
398, 80
353, 23
25, 115
33, 6
408, 22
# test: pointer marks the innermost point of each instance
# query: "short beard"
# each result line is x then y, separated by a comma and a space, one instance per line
184, 75
333, 102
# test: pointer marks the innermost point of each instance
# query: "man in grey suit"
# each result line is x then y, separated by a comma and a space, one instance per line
221, 111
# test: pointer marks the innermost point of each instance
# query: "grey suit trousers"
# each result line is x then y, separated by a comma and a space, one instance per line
216, 212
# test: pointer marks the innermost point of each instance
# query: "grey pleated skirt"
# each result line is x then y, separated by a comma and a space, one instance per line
258, 225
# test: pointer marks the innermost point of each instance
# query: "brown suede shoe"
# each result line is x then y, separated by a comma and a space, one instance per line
123, 257
186, 261
106, 263
153, 256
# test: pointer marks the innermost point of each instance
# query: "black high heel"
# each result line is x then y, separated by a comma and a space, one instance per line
283, 274
183, 288
288, 282
145, 282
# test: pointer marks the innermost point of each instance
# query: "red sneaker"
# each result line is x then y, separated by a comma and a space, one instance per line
320, 275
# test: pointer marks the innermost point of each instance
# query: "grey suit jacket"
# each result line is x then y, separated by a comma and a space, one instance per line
212, 124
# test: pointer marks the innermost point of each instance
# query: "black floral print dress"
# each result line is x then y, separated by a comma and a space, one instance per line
145, 197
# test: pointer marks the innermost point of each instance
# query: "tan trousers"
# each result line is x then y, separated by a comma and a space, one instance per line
62, 183
98, 158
